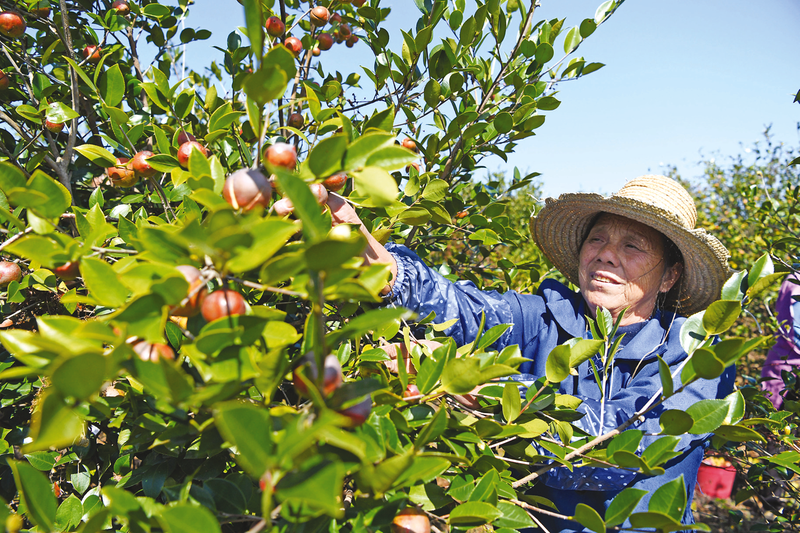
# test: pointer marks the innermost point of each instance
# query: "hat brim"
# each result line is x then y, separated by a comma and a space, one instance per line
561, 226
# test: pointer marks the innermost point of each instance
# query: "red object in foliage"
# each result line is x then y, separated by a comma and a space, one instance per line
716, 481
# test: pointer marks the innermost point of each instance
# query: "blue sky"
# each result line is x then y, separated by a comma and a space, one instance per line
684, 79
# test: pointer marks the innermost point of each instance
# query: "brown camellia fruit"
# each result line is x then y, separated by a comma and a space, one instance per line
345, 31
140, 165
92, 53
275, 26
283, 207
295, 120
411, 520
336, 17
415, 166
5, 81
319, 16
325, 41
185, 137
121, 7
294, 45
247, 188
359, 412
152, 351
12, 25
194, 277
122, 175
222, 303
9, 272
281, 155
410, 144
351, 41
186, 149
54, 127
335, 182
40, 11
331, 375
359, 3
320, 193
68, 271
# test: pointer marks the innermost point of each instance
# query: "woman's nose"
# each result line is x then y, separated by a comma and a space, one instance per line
608, 253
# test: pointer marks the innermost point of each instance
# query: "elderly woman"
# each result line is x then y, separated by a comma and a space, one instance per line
636, 251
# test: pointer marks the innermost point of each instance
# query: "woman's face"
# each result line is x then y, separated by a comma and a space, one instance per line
622, 266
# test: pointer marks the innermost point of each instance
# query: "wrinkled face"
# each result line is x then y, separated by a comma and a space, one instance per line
622, 266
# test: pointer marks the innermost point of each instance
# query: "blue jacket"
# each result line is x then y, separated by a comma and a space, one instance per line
541, 322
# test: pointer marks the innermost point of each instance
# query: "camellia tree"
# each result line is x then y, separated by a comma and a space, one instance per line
190, 345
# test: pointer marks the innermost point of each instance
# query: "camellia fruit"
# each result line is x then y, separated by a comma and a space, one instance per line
351, 41
198, 295
92, 53
53, 127
141, 166
152, 351
275, 26
319, 16
325, 41
331, 375
121, 7
40, 11
415, 166
9, 272
122, 175
320, 193
411, 391
247, 188
295, 120
12, 25
359, 412
185, 137
68, 271
283, 207
5, 81
411, 520
359, 3
345, 31
281, 155
410, 144
223, 303
337, 18
294, 45
335, 182
186, 149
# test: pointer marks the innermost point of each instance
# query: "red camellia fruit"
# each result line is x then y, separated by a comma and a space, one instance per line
295, 120
336, 17
320, 193
331, 374
410, 144
194, 277
223, 303
121, 7
185, 137
281, 155
40, 11
5, 81
9, 272
141, 166
359, 412
351, 41
345, 31
275, 26
294, 45
411, 391
122, 175
92, 53
283, 207
68, 271
335, 182
12, 25
411, 520
186, 149
247, 188
152, 351
415, 166
319, 16
316, 51
54, 127
325, 41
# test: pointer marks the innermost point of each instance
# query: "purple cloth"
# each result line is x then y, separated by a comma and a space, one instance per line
785, 354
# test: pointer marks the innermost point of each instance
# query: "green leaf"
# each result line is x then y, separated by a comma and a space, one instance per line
707, 415
762, 267
623, 505
305, 204
81, 73
102, 282
377, 186
582, 350
187, 518
249, 429
706, 364
145, 317
626, 441
588, 517
80, 376
432, 429
544, 53
513, 517
721, 315
43, 194
318, 488
269, 236
382, 120
11, 177
739, 434
462, 375
391, 158
511, 401
670, 499
665, 376
474, 514
363, 147
53, 424
112, 86
97, 155
732, 289
36, 494
255, 30
69, 513
432, 92
326, 156
60, 113
675, 422
692, 332
557, 366
763, 284
662, 522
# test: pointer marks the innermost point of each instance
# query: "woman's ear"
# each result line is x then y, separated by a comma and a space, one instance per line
671, 277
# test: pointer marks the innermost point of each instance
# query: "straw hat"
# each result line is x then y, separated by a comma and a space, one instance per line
657, 201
